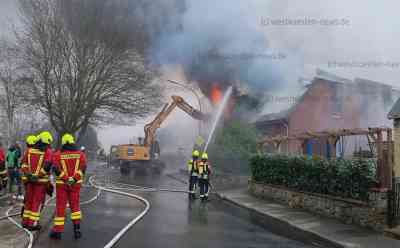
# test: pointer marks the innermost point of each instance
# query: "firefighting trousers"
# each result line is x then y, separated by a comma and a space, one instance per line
35, 196
192, 185
71, 195
204, 187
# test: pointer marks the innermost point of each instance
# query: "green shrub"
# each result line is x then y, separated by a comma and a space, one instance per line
235, 143
344, 178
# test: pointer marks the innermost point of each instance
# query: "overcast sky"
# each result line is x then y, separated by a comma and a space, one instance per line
370, 34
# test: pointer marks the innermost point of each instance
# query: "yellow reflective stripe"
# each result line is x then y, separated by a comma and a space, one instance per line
59, 218
77, 163
61, 174
64, 166
59, 223
39, 165
34, 218
26, 214
24, 166
70, 156
36, 151
76, 215
37, 214
79, 172
43, 180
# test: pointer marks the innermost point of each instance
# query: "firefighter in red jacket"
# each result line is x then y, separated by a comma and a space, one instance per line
3, 169
69, 168
36, 167
31, 141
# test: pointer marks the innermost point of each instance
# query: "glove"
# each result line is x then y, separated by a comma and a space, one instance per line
47, 167
71, 181
56, 171
33, 178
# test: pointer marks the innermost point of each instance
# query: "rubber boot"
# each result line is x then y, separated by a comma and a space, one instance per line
35, 228
77, 231
55, 235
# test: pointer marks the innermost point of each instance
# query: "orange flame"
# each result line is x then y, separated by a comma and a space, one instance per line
216, 94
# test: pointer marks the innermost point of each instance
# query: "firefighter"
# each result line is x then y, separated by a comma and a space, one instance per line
204, 177
31, 141
193, 174
3, 170
36, 167
69, 168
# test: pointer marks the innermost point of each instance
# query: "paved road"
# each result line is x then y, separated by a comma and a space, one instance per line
171, 222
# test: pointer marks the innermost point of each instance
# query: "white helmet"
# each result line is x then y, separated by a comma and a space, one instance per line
83, 148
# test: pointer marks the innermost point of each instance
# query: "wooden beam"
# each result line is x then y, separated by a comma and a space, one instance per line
328, 133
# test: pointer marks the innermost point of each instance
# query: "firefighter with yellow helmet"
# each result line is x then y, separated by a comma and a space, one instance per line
36, 167
69, 166
204, 176
31, 141
193, 174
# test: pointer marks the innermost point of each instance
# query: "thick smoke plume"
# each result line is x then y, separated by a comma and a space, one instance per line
222, 42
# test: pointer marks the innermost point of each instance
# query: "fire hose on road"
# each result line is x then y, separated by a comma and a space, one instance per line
119, 235
10, 216
139, 188
112, 187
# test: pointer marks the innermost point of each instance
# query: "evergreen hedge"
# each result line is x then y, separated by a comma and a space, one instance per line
340, 177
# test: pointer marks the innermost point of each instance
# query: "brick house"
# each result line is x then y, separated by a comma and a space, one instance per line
329, 102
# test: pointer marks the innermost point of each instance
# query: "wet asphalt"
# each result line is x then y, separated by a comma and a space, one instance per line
173, 220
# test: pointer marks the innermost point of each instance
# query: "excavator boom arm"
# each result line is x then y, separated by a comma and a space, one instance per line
151, 128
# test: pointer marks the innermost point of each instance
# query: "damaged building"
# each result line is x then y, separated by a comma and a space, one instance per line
329, 102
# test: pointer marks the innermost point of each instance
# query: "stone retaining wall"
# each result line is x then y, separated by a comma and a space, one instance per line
370, 214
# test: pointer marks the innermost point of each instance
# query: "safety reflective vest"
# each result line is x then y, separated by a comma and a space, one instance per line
70, 166
204, 170
193, 168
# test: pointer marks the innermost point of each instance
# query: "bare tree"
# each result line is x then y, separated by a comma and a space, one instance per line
10, 88
82, 70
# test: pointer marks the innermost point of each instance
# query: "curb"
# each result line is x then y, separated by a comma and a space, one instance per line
283, 227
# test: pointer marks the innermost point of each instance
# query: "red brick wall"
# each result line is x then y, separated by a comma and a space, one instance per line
318, 111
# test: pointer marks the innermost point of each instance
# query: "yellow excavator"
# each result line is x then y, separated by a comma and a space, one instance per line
146, 153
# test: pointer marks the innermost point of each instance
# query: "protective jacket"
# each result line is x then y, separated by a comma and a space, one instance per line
36, 166
69, 167
204, 170
193, 167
